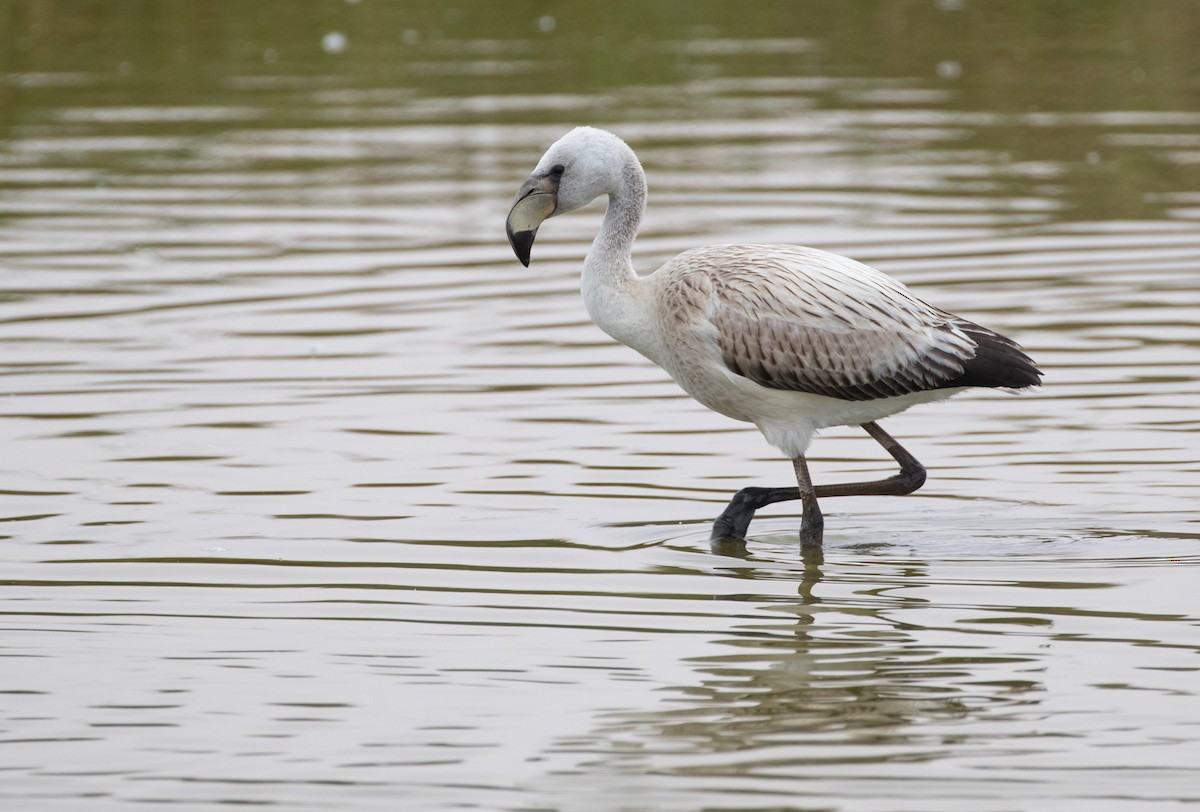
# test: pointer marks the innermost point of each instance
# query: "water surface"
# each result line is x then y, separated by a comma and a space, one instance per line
311, 496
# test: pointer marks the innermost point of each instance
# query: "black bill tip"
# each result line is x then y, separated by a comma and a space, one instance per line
522, 244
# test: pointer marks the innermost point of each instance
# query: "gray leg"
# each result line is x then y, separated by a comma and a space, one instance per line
734, 521
911, 476
812, 523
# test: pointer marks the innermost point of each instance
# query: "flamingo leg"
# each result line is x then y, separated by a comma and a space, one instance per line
734, 521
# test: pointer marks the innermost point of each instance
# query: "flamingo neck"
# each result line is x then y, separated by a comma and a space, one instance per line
613, 246
609, 281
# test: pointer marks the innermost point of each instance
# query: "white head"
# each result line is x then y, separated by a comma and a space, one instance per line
578, 168
593, 163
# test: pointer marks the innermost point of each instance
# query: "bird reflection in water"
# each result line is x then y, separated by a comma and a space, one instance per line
802, 676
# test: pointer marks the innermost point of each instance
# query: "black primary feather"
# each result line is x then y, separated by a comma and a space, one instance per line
998, 363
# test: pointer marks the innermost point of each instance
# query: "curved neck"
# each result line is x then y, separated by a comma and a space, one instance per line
610, 259
610, 286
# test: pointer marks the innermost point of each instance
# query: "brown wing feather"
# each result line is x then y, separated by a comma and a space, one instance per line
861, 364
804, 320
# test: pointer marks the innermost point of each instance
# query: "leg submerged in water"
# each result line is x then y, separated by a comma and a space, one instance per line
734, 521
812, 523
